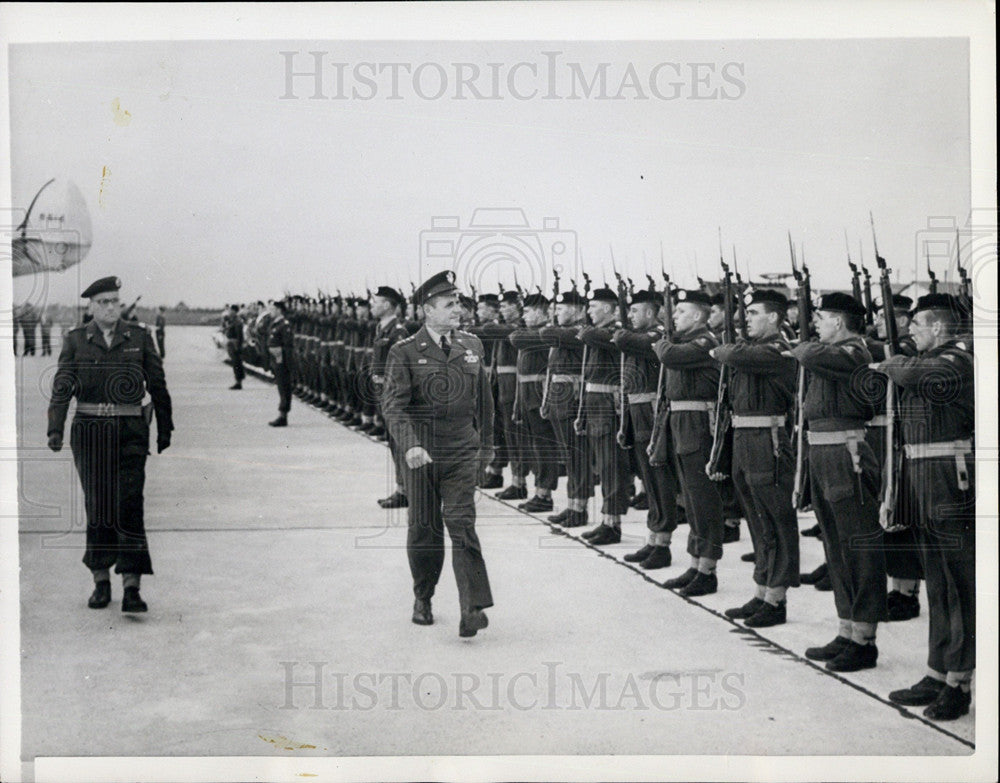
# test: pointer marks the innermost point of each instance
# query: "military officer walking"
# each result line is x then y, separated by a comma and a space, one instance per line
438, 406
109, 365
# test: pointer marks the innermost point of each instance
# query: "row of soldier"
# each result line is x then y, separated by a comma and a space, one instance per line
606, 385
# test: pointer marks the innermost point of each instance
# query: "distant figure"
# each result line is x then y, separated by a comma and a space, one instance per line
17, 326
280, 351
29, 322
161, 331
45, 321
232, 332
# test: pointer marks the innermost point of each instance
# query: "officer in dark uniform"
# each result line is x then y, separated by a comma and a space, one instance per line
232, 331
539, 439
844, 479
560, 402
601, 391
691, 387
281, 350
108, 365
937, 408
902, 559
642, 370
762, 394
488, 310
438, 406
389, 331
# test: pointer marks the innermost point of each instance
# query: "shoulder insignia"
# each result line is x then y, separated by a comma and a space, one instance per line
406, 340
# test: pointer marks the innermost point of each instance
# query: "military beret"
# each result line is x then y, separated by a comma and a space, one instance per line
938, 302
716, 299
645, 296
571, 297
900, 304
510, 297
441, 283
390, 293
362, 301
490, 299
694, 296
281, 305
604, 295
102, 286
536, 300
467, 301
841, 303
765, 296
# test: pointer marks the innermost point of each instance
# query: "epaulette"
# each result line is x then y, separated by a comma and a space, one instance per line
406, 340
80, 328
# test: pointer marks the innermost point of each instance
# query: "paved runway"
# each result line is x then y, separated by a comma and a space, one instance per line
279, 618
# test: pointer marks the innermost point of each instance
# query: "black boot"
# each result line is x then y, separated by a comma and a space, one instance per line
422, 612
513, 492
854, 657
766, 616
920, 695
951, 704
702, 584
683, 580
902, 607
658, 558
131, 602
639, 556
101, 596
747, 610
606, 534
281, 421
828, 651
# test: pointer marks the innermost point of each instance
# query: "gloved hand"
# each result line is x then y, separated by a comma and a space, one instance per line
162, 444
55, 441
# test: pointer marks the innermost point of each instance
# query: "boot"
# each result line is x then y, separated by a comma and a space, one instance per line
658, 558
639, 556
853, 658
131, 602
281, 421
513, 492
702, 584
101, 596
606, 534
767, 615
951, 704
536, 505
920, 695
422, 612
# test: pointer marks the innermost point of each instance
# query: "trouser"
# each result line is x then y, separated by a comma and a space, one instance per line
442, 495
732, 505
233, 348
902, 552
110, 458
846, 506
283, 380
661, 482
947, 535
515, 436
574, 454
543, 449
763, 480
611, 463
692, 439
46, 343
161, 342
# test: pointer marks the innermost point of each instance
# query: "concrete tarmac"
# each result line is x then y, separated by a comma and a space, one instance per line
279, 617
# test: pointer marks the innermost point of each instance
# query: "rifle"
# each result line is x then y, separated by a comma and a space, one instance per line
855, 273
964, 287
475, 308
622, 324
579, 426
741, 306
893, 464
127, 312
721, 455
543, 409
869, 310
930, 272
800, 487
658, 449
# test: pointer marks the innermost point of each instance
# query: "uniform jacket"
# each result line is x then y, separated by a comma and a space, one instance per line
279, 335
938, 400
504, 355
385, 337
532, 359
442, 403
838, 393
763, 381
94, 372
565, 359
692, 374
603, 367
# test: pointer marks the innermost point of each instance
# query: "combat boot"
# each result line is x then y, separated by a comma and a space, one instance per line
702, 584
920, 695
513, 492
281, 421
640, 555
101, 596
853, 658
952, 703
767, 616
606, 534
536, 505
659, 558
131, 602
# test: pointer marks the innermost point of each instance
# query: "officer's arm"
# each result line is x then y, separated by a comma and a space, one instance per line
938, 375
689, 355
64, 386
395, 398
835, 362
156, 383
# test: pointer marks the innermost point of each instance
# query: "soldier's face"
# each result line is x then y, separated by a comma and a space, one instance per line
486, 312
827, 325
536, 316
716, 317
600, 312
443, 313
106, 309
925, 330
641, 316
688, 316
567, 314
759, 321
509, 311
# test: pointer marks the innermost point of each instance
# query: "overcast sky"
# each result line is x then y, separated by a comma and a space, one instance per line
206, 185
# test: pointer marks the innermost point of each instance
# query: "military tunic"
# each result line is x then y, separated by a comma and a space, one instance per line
281, 349
110, 451
443, 404
540, 441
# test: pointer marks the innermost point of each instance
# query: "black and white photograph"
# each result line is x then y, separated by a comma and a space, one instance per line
499, 391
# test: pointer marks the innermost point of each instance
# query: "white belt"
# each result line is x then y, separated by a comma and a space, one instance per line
528, 378
836, 438
601, 388
506, 370
757, 422
878, 421
948, 448
640, 397
108, 409
691, 405
563, 378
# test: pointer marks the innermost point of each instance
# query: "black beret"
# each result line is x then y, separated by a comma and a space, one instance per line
716, 299
390, 293
900, 304
441, 283
510, 297
490, 299
467, 301
102, 286
841, 303
694, 296
536, 300
765, 296
281, 305
938, 302
362, 301
571, 297
603, 295
645, 296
